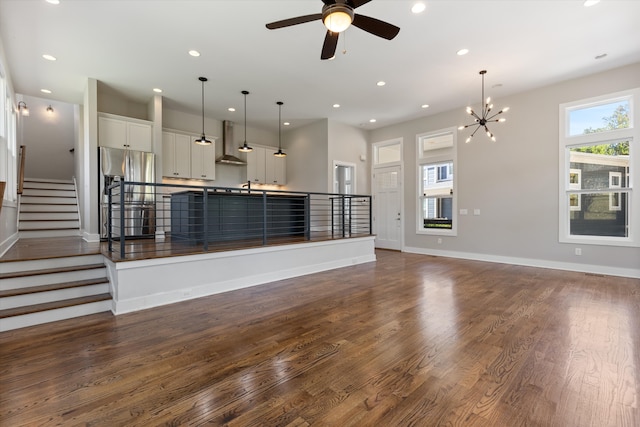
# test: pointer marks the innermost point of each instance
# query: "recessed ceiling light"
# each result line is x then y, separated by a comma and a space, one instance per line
418, 7
496, 85
462, 52
231, 109
589, 3
157, 90
602, 55
424, 106
372, 121
49, 57
45, 91
381, 83
336, 105
286, 123
53, 1
194, 53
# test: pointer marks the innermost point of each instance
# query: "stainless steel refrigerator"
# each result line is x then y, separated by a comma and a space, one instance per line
139, 200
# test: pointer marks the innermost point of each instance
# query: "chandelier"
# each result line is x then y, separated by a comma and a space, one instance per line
481, 121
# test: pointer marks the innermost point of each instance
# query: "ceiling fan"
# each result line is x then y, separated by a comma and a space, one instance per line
337, 16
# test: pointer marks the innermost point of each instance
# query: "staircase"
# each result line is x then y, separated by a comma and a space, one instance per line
48, 208
46, 290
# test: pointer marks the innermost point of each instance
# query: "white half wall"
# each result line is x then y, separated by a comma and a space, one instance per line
138, 285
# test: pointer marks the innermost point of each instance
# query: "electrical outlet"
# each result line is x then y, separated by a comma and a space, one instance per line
578, 251
476, 211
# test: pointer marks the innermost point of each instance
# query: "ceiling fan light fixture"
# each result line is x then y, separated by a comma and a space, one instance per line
203, 139
337, 17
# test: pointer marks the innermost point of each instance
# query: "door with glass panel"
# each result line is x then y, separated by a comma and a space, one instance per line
387, 203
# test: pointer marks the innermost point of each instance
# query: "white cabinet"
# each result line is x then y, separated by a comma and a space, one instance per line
265, 168
203, 160
256, 165
176, 155
124, 132
275, 169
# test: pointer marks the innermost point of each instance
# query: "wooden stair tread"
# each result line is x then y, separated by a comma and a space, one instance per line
48, 228
50, 270
46, 220
19, 311
53, 287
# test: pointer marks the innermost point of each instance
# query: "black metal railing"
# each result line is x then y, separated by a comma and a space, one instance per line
149, 220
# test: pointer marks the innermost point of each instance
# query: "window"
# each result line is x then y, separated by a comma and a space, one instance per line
599, 155
387, 152
437, 202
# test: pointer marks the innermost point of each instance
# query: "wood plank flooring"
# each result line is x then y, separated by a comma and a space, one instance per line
409, 340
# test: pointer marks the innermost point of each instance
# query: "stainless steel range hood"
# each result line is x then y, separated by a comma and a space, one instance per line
227, 146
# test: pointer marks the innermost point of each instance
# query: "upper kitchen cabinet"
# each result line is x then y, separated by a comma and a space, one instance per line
124, 132
176, 155
264, 168
203, 160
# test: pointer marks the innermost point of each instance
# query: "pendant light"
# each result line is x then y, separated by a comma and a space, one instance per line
280, 153
203, 139
245, 147
481, 122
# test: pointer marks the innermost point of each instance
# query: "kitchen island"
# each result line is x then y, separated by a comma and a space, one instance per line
237, 216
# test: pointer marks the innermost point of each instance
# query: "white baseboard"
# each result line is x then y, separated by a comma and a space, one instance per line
8, 243
530, 262
89, 237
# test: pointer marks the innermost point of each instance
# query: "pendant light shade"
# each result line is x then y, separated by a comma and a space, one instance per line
203, 139
482, 120
280, 153
245, 147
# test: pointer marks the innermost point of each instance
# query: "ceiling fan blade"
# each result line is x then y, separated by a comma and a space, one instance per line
329, 46
294, 21
357, 3
376, 27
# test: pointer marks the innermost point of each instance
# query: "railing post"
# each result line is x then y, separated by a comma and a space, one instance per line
264, 218
370, 215
343, 222
122, 213
307, 217
350, 200
205, 219
109, 219
333, 215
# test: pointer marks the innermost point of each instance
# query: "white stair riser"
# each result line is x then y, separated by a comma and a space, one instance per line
16, 322
41, 264
50, 296
48, 192
36, 225
47, 186
47, 216
49, 279
25, 208
47, 200
47, 233
47, 180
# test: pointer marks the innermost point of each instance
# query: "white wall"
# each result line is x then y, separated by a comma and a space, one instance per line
48, 139
346, 144
307, 157
514, 181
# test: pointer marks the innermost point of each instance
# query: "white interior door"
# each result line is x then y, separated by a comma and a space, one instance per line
387, 205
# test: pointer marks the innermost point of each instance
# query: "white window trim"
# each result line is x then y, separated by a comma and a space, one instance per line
612, 196
565, 141
437, 155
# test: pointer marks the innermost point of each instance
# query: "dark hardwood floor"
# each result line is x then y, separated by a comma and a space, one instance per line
409, 340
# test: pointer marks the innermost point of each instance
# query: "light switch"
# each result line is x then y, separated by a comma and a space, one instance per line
464, 211
476, 211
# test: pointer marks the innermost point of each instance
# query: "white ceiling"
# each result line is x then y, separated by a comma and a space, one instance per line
133, 46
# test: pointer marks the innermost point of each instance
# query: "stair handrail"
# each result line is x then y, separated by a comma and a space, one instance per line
22, 153
75, 188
